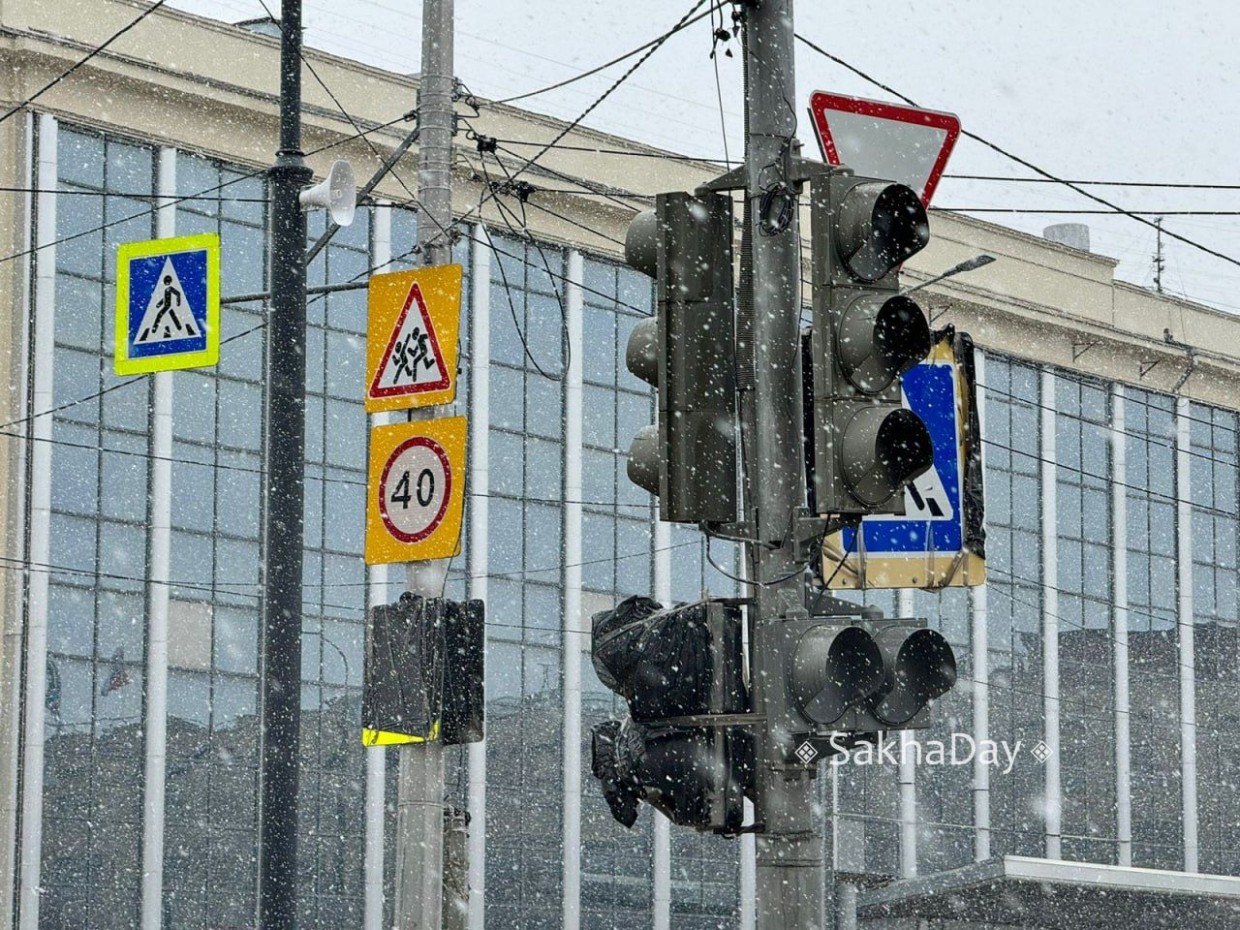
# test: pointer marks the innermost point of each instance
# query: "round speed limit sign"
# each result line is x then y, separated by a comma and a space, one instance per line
415, 491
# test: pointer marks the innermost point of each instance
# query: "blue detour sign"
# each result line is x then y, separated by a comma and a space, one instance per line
939, 540
167, 304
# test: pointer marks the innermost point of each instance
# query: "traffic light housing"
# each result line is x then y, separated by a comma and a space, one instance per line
688, 458
863, 446
854, 675
673, 667
424, 672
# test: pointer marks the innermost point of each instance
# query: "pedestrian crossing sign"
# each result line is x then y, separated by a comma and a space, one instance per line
167, 304
412, 334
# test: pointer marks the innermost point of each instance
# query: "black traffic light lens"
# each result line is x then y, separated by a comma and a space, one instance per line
901, 334
884, 448
879, 339
901, 228
834, 669
880, 226
924, 668
904, 447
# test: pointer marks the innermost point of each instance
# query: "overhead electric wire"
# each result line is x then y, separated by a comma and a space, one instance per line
124, 195
172, 201
659, 40
107, 390
663, 156
82, 61
1171, 185
1060, 211
1025, 163
650, 49
714, 57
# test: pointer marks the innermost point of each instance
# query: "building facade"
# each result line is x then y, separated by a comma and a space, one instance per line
1106, 633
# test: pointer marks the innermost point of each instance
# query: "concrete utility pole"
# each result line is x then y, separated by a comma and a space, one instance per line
420, 804
790, 879
283, 504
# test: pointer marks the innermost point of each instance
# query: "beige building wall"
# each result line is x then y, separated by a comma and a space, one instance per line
210, 87
14, 229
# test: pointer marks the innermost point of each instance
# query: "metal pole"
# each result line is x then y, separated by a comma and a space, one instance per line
790, 877
283, 500
420, 803
158, 592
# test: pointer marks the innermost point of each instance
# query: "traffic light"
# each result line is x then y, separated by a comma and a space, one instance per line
424, 672
687, 351
863, 445
673, 667
849, 675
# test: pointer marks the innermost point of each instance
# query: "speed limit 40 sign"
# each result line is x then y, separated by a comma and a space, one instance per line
416, 491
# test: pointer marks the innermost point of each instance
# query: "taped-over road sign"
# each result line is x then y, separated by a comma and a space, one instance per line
412, 335
167, 304
939, 541
416, 491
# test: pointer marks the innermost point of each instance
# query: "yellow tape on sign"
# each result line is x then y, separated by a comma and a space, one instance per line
388, 738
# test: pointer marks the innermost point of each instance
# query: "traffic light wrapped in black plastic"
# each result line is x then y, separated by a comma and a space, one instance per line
424, 674
674, 667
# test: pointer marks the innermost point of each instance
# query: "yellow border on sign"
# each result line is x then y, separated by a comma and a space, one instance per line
445, 541
124, 365
931, 570
441, 289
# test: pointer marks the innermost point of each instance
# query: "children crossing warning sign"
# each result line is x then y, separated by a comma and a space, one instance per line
411, 351
167, 304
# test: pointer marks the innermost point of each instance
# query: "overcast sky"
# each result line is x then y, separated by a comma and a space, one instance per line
1138, 91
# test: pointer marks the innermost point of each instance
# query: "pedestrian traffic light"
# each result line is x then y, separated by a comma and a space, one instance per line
675, 668
424, 672
688, 458
863, 445
851, 675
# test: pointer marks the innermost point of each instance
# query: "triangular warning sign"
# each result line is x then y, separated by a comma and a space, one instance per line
412, 363
885, 140
168, 316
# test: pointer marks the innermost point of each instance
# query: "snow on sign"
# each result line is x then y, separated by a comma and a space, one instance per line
167, 304
885, 140
416, 491
938, 541
411, 346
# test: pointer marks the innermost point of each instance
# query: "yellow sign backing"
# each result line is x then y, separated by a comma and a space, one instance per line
412, 338
167, 304
416, 493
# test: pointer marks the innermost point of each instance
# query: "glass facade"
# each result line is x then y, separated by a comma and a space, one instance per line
1012, 443
92, 845
1213, 463
525, 783
93, 754
1086, 642
1154, 643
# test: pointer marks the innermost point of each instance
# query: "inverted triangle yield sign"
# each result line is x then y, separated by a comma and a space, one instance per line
885, 140
413, 362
